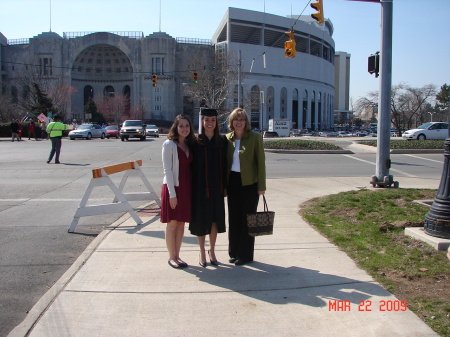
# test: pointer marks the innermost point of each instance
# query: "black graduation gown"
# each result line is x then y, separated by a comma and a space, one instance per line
208, 184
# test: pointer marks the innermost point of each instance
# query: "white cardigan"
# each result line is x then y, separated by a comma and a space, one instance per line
171, 166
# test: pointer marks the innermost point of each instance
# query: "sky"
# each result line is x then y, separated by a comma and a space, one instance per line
421, 39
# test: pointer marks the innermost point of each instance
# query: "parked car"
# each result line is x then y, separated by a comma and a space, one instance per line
270, 134
394, 133
112, 131
152, 131
329, 134
344, 134
132, 129
431, 130
295, 133
88, 131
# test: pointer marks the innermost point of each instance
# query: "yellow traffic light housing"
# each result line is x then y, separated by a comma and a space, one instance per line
195, 80
290, 45
318, 6
154, 80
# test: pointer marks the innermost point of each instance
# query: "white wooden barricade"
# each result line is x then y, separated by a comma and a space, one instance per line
100, 177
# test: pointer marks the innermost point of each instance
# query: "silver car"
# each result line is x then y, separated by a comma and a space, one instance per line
431, 130
88, 131
151, 131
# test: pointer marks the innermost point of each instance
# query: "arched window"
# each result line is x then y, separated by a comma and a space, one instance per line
319, 111
270, 102
295, 121
109, 91
305, 110
255, 106
313, 111
283, 103
88, 93
127, 95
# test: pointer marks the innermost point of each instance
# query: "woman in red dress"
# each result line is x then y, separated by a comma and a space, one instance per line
176, 189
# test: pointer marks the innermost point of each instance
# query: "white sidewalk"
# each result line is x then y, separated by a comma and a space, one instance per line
123, 286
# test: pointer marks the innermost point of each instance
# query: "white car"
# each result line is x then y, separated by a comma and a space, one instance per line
431, 130
88, 131
152, 131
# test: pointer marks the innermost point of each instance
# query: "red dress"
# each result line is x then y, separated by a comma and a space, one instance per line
181, 213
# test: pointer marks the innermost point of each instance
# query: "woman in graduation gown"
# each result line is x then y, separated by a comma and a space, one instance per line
208, 185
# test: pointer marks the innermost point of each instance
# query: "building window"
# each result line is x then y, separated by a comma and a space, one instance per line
158, 65
45, 66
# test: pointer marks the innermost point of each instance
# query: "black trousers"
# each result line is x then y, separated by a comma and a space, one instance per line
56, 148
241, 200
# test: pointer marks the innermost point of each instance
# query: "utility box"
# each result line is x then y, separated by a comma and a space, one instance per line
282, 126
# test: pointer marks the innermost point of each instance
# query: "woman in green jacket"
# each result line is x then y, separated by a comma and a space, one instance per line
246, 182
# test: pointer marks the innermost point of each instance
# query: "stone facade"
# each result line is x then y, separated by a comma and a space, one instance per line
107, 64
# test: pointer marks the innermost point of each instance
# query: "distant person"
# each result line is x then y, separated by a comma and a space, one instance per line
55, 131
32, 130
43, 130
14, 129
176, 188
246, 182
209, 181
19, 130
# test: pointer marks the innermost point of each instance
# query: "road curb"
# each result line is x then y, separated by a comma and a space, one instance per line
416, 151
310, 151
36, 312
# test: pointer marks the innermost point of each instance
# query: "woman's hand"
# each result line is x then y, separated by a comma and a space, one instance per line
261, 192
173, 202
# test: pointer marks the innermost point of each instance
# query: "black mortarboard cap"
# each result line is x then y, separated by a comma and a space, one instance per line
208, 112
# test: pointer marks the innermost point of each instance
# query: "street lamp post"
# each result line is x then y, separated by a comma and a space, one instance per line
437, 220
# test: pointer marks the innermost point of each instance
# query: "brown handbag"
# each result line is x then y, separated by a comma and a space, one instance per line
261, 223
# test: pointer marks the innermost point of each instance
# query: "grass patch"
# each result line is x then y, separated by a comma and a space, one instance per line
408, 144
369, 226
299, 144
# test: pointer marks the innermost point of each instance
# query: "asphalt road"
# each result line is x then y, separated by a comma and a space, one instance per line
38, 201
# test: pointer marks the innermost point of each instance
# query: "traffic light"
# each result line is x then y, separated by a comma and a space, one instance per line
318, 6
154, 80
290, 45
195, 80
373, 64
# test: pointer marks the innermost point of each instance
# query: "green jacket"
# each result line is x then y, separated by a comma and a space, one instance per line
55, 129
251, 157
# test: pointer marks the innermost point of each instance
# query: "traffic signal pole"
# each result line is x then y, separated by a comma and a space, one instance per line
383, 161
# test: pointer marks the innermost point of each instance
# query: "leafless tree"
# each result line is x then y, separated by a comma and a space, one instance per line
114, 108
8, 109
52, 84
409, 106
214, 78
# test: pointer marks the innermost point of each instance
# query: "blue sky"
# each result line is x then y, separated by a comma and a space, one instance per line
421, 40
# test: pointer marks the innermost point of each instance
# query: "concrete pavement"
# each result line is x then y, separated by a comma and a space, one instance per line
122, 285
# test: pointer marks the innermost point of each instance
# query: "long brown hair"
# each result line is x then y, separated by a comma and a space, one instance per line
201, 138
173, 132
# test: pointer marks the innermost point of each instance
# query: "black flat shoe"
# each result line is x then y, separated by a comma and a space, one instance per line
232, 260
213, 262
173, 264
240, 262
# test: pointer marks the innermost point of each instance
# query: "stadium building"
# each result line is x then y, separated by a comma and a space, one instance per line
99, 65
